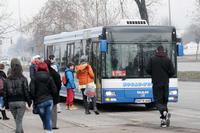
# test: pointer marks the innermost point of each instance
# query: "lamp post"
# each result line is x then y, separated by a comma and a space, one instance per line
20, 31
169, 12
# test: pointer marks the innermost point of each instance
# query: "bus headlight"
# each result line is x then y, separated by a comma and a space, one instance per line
110, 93
174, 92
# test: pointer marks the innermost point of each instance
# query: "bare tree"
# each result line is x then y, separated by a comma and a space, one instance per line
6, 24
143, 6
142, 9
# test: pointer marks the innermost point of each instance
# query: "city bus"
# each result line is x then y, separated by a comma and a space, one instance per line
118, 55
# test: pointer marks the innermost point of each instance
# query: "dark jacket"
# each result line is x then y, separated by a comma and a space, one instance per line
57, 81
16, 90
160, 68
2, 74
70, 78
13, 62
33, 68
42, 87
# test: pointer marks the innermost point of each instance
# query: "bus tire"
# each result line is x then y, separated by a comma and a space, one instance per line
150, 105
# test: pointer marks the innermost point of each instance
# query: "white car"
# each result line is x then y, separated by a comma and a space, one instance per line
5, 62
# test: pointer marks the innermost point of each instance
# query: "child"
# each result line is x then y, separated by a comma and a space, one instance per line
70, 86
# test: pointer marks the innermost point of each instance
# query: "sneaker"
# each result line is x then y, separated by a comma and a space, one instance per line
72, 107
67, 107
167, 117
163, 123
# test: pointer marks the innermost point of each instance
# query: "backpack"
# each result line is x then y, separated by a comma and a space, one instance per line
2, 79
65, 80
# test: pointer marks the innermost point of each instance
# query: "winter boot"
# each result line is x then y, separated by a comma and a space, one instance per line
4, 115
87, 112
96, 111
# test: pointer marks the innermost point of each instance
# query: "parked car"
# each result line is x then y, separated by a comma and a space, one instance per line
5, 62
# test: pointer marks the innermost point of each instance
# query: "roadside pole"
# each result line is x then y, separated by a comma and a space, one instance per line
197, 51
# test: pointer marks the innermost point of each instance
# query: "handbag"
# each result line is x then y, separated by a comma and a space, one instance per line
90, 90
35, 110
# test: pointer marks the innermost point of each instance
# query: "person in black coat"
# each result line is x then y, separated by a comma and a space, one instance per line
57, 80
16, 94
2, 107
43, 91
160, 68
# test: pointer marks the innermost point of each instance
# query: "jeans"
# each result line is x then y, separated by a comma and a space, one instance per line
45, 111
18, 109
1, 102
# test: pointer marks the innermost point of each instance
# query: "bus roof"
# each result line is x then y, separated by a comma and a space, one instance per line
95, 32
142, 27
74, 35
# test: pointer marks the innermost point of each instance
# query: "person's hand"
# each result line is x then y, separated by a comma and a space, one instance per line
8, 109
28, 108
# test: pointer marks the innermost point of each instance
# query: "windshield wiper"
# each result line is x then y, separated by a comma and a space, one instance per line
124, 78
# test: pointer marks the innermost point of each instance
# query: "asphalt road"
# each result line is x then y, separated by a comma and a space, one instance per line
185, 113
188, 66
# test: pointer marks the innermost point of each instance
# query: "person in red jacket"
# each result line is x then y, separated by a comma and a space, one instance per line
34, 65
85, 75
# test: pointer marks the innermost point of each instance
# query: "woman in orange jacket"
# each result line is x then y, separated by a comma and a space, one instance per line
85, 75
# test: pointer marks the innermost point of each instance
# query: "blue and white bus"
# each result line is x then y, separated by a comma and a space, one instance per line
118, 55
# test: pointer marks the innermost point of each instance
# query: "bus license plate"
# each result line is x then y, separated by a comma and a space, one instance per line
143, 100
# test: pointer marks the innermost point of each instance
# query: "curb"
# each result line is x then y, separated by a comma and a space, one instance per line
189, 80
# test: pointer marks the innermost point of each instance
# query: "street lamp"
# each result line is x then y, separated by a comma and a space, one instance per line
20, 31
169, 12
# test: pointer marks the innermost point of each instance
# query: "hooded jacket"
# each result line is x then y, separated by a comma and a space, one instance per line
16, 90
70, 78
33, 68
42, 87
84, 73
160, 67
13, 62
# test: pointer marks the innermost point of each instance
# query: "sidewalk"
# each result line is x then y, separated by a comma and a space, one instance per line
85, 124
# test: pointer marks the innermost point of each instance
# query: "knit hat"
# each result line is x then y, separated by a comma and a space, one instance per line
83, 58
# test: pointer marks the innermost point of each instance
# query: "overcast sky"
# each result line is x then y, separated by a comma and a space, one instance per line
181, 11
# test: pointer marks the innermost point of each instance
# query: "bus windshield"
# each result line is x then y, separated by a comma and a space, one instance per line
130, 59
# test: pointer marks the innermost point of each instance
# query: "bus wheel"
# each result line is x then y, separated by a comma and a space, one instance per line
150, 105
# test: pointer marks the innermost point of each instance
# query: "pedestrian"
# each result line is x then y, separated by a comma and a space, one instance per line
43, 91
70, 86
34, 65
57, 80
85, 75
56, 67
160, 68
2, 80
12, 63
15, 95
54, 64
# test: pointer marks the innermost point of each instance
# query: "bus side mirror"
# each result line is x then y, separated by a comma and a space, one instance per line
103, 45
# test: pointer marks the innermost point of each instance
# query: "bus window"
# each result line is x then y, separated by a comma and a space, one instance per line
77, 53
49, 51
63, 57
122, 60
57, 53
149, 50
70, 52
